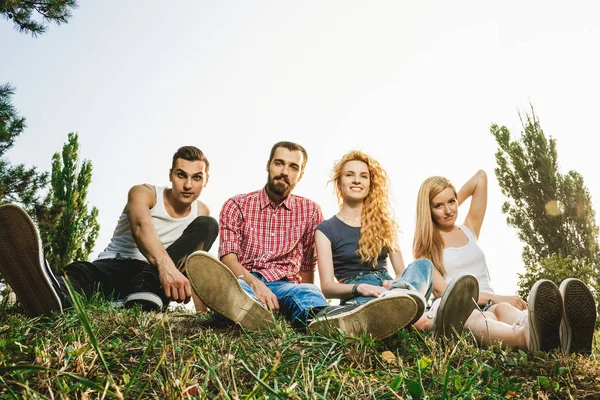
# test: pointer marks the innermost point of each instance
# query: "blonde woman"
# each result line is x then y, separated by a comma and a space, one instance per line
453, 249
353, 247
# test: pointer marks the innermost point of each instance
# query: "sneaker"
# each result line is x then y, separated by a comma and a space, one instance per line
379, 318
455, 306
416, 296
215, 284
147, 292
148, 301
579, 317
543, 317
23, 265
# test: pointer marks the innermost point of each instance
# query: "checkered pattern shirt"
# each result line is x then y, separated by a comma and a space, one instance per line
275, 241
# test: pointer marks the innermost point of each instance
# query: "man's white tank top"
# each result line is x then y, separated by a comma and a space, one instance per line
169, 229
468, 259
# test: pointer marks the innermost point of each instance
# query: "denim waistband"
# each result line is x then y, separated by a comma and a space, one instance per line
376, 272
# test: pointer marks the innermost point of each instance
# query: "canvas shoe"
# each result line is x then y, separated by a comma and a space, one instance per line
378, 318
215, 284
578, 318
416, 296
544, 315
455, 306
146, 292
148, 301
23, 265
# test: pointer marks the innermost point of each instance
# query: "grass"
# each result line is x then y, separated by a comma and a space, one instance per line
97, 351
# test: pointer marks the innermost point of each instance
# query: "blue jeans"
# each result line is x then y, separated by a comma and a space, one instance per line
418, 276
295, 299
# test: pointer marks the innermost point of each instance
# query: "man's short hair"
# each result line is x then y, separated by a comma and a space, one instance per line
291, 146
190, 153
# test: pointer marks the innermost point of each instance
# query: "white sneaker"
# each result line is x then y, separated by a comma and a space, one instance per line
378, 318
545, 309
579, 317
455, 306
416, 296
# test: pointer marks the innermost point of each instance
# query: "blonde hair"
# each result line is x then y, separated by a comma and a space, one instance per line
428, 242
379, 228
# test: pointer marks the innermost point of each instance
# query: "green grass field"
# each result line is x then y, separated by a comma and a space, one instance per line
97, 351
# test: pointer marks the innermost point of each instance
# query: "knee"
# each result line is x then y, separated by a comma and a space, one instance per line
206, 224
423, 264
501, 308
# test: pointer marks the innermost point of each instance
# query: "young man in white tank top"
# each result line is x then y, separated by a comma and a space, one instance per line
143, 263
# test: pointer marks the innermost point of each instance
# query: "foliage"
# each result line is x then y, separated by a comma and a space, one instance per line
75, 233
18, 184
178, 355
552, 211
557, 269
32, 16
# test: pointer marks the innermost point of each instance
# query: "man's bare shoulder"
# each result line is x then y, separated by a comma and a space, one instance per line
203, 209
141, 194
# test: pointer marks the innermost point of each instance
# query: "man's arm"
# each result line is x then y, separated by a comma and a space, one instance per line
261, 291
140, 200
309, 258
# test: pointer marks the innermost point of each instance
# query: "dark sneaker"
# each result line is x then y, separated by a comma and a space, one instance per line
416, 296
544, 314
579, 317
22, 263
379, 318
148, 301
456, 305
215, 284
146, 292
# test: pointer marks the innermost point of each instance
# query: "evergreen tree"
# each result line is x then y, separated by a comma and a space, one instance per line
73, 237
552, 212
18, 184
32, 16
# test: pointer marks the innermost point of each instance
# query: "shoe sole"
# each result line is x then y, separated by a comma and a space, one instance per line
22, 262
215, 284
379, 318
416, 296
545, 314
148, 301
456, 305
579, 317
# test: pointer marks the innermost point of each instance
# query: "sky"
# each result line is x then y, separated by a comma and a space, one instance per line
414, 84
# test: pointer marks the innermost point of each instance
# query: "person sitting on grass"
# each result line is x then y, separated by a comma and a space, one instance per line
552, 318
142, 264
268, 259
354, 245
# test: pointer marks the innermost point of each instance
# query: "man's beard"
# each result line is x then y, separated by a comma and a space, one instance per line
280, 189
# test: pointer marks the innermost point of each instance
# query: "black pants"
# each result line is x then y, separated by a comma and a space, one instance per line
121, 277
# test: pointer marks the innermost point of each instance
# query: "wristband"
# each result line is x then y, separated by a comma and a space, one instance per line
355, 290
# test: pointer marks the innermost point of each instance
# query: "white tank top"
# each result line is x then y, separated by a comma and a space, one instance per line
468, 259
169, 229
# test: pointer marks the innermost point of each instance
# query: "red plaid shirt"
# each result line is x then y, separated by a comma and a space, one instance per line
275, 241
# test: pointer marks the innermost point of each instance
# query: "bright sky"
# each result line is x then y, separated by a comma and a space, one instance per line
414, 84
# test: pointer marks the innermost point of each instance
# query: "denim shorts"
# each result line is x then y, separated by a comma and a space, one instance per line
374, 278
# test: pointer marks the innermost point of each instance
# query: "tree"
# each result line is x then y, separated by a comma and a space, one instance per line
552, 212
22, 13
75, 234
18, 184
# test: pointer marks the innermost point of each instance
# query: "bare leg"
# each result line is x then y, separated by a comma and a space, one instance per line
198, 304
506, 313
424, 323
488, 330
